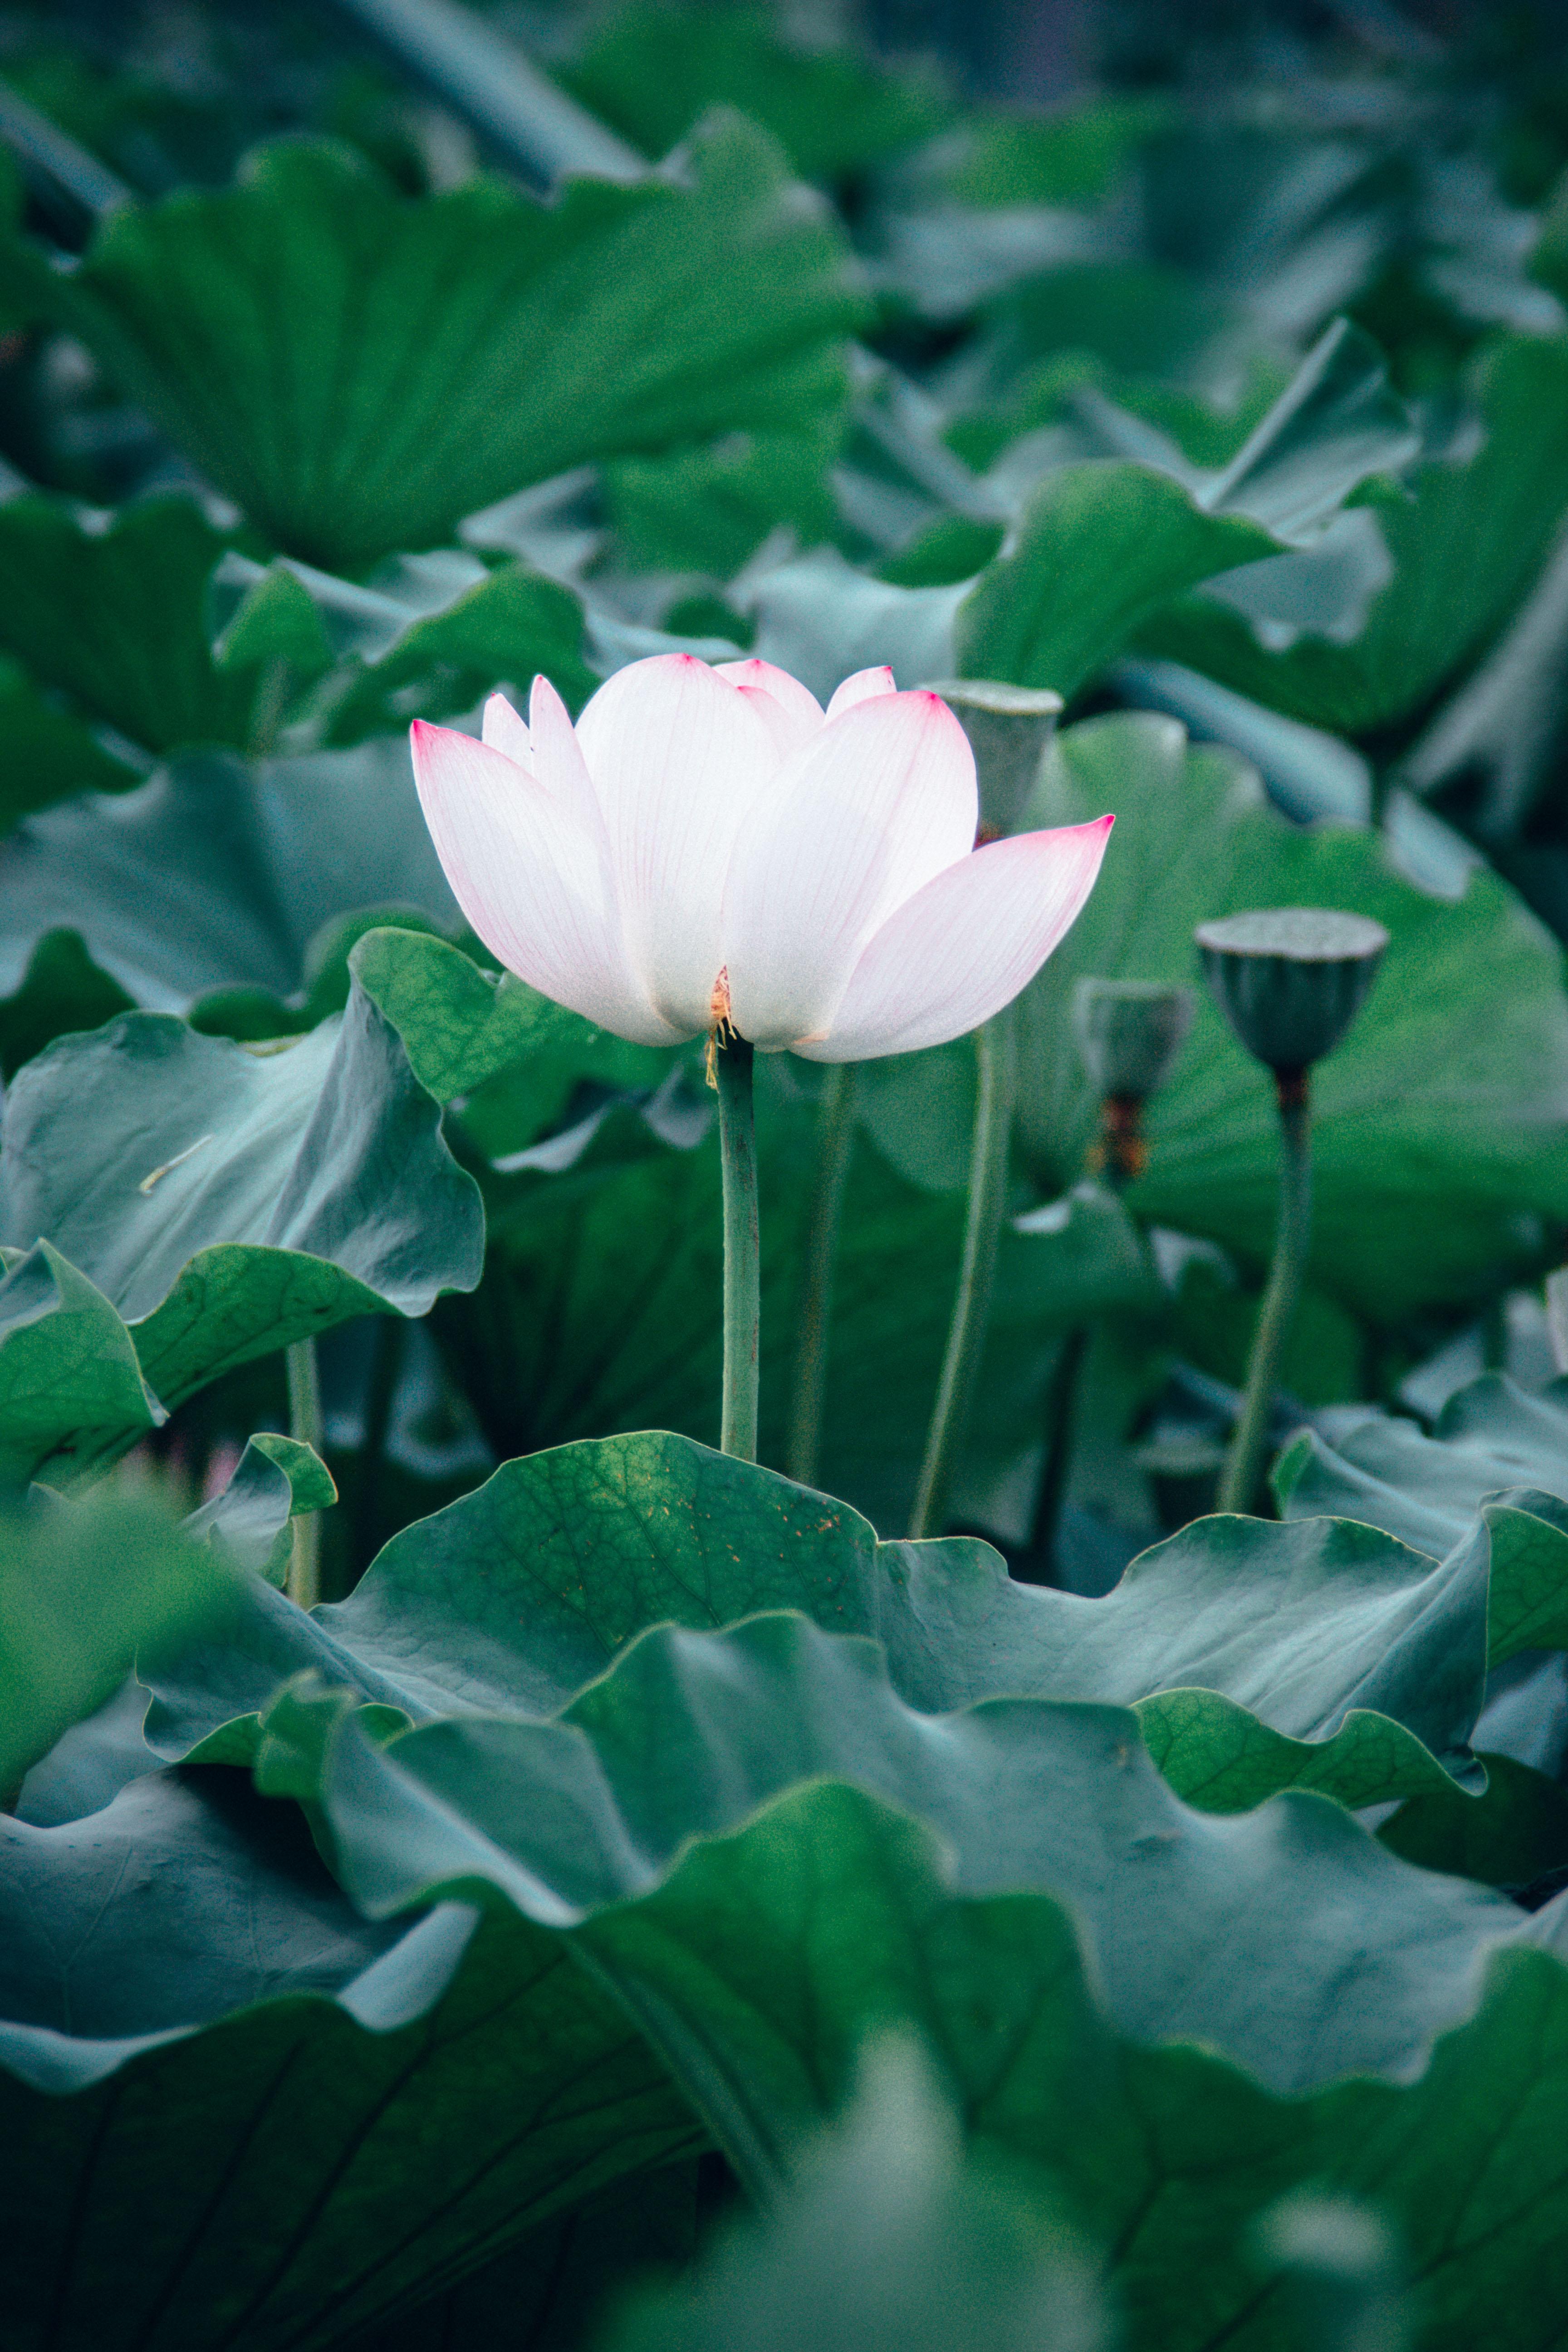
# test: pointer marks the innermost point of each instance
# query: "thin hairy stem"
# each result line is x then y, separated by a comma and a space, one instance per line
997, 1058
835, 1141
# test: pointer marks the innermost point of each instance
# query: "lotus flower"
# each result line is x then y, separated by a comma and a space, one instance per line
710, 847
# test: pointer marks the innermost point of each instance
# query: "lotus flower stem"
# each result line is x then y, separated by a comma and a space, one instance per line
1039, 1564
996, 1052
742, 1249
305, 1424
1244, 1463
835, 1141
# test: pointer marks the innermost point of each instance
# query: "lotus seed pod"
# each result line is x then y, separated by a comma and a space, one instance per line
1130, 1033
1290, 980
1008, 728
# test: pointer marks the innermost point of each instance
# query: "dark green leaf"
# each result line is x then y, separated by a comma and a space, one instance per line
229, 1201
759, 1948
706, 510
115, 618
651, 71
49, 754
461, 1024
1101, 546
444, 351
546, 2292
275, 1479
62, 989
1516, 1832
1426, 1490
427, 636
1465, 543
83, 1590
217, 874
330, 2148
72, 1391
520, 1593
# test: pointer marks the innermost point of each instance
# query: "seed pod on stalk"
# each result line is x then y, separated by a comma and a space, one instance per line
1129, 1034
1290, 980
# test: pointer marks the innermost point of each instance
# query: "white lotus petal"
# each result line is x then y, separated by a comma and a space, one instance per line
964, 946
678, 758
532, 880
505, 731
558, 761
877, 802
790, 711
861, 688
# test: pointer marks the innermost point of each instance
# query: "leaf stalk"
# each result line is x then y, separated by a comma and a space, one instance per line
304, 1580
996, 1058
1244, 1461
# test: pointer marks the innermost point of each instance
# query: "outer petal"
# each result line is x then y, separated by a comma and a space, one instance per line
790, 711
678, 758
861, 688
963, 947
559, 764
532, 880
505, 731
876, 804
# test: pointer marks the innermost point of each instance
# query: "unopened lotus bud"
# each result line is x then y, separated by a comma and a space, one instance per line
1290, 980
1130, 1033
1008, 728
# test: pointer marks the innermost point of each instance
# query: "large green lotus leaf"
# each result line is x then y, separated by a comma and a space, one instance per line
1466, 545
1324, 1653
82, 1592
425, 636
651, 71
227, 1201
707, 509
1441, 1125
236, 2112
114, 617
358, 370
461, 1024
72, 1395
763, 1901
216, 874
1490, 1436
61, 990
555, 2284
1101, 545
50, 753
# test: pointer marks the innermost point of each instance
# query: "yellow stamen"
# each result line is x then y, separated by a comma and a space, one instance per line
723, 1028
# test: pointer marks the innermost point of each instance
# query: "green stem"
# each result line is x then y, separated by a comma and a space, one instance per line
997, 1058
385, 1364
1122, 1153
742, 1249
835, 1141
1060, 1397
304, 1584
1244, 1463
